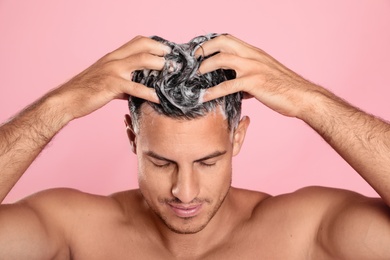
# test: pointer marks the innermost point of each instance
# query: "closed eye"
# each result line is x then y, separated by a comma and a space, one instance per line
207, 164
161, 165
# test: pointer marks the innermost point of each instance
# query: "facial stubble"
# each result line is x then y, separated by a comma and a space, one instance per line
188, 230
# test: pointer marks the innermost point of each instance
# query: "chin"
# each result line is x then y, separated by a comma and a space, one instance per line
188, 227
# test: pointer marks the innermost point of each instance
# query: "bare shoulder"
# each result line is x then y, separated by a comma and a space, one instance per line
70, 209
312, 198
310, 206
67, 201
42, 225
326, 202
48, 204
352, 226
308, 198
53, 223
336, 223
65, 209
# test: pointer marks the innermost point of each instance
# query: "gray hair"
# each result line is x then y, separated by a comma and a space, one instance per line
180, 87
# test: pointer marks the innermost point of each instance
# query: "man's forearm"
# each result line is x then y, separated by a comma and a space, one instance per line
23, 137
361, 139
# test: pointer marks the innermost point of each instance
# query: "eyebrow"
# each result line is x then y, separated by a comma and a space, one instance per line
210, 156
207, 157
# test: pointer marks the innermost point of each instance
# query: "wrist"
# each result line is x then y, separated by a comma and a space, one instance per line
55, 109
324, 109
316, 103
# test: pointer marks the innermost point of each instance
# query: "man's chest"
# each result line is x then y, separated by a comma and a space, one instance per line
121, 245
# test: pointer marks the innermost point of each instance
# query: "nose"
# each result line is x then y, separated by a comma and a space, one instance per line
186, 185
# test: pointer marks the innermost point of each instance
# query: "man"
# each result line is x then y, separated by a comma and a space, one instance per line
185, 207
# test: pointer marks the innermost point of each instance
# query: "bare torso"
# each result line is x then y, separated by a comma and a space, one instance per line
117, 227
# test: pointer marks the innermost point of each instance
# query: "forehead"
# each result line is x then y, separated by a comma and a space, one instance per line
159, 132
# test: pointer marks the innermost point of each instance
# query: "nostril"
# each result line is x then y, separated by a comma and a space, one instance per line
185, 193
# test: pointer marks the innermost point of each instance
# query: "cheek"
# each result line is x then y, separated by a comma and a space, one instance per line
218, 178
151, 180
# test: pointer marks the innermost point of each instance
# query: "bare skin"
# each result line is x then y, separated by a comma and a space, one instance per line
185, 173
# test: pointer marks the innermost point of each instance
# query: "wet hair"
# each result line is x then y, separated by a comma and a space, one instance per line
180, 87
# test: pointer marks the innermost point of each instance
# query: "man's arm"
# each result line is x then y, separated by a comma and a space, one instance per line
23, 137
361, 139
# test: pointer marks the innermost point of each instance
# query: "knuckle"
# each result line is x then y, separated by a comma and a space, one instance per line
138, 37
235, 85
226, 37
229, 85
143, 57
223, 36
142, 40
110, 66
220, 39
108, 57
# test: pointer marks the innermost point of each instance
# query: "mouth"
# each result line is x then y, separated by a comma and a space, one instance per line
183, 211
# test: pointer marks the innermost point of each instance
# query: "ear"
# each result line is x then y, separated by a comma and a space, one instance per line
239, 134
131, 134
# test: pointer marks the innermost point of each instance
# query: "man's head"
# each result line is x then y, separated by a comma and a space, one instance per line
185, 147
180, 87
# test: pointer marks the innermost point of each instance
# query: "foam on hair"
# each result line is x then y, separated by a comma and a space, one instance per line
180, 87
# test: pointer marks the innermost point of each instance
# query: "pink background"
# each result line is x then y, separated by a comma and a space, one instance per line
343, 45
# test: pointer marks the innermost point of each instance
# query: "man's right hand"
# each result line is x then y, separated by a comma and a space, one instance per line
110, 78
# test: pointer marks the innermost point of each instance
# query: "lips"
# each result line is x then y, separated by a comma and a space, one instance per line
186, 211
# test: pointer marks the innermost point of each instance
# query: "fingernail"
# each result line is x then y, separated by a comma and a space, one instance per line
204, 96
199, 54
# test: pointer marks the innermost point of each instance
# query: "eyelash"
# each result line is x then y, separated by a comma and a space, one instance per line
162, 165
207, 164
201, 163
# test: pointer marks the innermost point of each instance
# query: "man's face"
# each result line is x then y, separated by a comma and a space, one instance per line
184, 167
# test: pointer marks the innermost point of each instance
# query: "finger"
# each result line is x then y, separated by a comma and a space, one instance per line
146, 61
223, 89
248, 85
228, 44
137, 45
222, 61
140, 61
212, 46
138, 90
